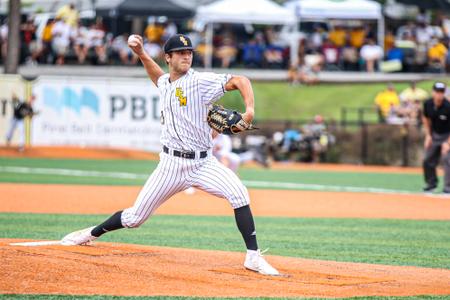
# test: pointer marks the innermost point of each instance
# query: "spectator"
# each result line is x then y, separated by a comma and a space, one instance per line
22, 110
436, 120
330, 53
411, 102
445, 24
413, 93
317, 37
357, 37
30, 49
202, 50
273, 56
154, 50
304, 73
226, 52
371, 54
120, 46
80, 42
338, 36
154, 32
169, 30
389, 41
61, 40
422, 34
387, 103
223, 151
4, 39
437, 55
47, 38
395, 59
68, 14
96, 40
318, 137
291, 138
407, 30
252, 54
350, 57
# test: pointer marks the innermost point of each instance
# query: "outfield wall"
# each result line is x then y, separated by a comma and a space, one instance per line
90, 111
113, 112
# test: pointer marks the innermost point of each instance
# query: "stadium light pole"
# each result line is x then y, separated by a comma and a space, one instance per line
13, 50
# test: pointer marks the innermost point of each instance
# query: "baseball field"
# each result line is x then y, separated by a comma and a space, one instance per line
333, 231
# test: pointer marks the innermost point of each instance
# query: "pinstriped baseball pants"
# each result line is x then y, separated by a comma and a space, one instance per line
175, 174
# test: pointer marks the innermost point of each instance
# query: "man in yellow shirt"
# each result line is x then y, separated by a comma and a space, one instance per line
387, 102
413, 93
437, 53
154, 32
338, 36
357, 37
69, 14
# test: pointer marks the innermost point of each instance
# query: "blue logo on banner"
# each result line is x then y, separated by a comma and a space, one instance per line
71, 99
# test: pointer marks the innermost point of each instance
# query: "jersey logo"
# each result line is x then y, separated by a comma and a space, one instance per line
180, 96
183, 40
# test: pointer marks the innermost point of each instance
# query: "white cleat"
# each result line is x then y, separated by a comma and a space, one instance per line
80, 237
255, 261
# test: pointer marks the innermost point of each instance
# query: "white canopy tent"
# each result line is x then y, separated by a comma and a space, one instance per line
241, 12
310, 10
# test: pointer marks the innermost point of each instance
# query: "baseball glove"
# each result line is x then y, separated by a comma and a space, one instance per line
227, 121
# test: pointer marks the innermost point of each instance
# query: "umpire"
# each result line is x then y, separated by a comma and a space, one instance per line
436, 120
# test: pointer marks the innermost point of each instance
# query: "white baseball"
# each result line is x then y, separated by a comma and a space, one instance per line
133, 40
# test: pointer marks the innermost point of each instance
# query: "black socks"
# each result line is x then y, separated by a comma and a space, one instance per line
113, 223
246, 225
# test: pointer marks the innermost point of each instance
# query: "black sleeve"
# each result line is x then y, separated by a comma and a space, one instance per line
425, 111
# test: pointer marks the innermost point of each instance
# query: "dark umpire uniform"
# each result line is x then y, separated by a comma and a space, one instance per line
436, 120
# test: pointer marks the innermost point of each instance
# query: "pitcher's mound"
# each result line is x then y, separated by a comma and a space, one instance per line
135, 270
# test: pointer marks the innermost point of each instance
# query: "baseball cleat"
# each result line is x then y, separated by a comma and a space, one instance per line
429, 188
80, 237
255, 261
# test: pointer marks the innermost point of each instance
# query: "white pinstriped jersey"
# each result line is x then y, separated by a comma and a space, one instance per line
184, 108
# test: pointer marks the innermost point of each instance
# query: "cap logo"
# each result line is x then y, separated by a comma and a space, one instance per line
183, 40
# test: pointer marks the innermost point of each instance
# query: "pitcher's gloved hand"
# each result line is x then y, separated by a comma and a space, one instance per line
227, 121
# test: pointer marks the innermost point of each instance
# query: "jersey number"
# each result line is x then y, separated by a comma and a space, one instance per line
180, 96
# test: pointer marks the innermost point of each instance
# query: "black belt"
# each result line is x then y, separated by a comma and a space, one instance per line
185, 154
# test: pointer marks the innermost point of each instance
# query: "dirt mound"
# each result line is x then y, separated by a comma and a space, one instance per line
134, 270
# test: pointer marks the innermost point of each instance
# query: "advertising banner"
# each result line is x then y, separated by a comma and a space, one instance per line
96, 112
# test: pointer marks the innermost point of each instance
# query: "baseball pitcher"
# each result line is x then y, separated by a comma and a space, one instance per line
186, 159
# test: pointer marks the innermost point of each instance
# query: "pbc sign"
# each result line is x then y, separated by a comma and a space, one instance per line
138, 107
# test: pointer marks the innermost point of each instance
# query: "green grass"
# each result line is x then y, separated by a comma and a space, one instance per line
403, 182
97, 297
281, 101
391, 242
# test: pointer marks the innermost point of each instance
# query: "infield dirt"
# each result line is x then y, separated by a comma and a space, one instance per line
136, 270
132, 270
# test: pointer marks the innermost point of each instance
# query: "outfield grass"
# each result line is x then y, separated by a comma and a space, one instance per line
281, 101
141, 169
390, 242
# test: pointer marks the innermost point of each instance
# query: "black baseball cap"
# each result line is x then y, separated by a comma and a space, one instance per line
439, 86
178, 42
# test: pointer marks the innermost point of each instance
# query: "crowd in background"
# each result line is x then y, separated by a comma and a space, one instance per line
307, 143
409, 46
403, 108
